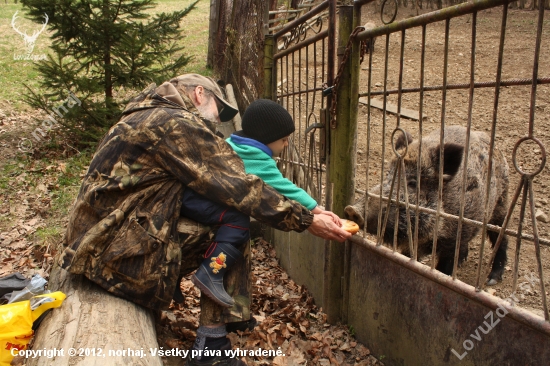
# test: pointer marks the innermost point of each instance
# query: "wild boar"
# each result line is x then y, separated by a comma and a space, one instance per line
453, 170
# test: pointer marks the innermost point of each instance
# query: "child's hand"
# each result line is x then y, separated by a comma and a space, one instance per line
321, 210
335, 217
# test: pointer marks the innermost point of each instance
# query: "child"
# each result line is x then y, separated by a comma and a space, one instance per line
266, 129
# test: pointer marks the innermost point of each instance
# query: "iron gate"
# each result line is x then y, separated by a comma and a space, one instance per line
297, 62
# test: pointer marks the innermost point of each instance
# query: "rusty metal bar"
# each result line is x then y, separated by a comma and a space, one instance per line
369, 86
320, 169
485, 84
287, 106
531, 129
400, 82
441, 139
466, 220
307, 94
383, 230
302, 92
355, 61
492, 144
467, 149
407, 212
525, 317
293, 69
305, 43
432, 17
537, 246
359, 3
310, 14
518, 239
400, 172
383, 134
331, 56
418, 170
536, 69
271, 12
300, 104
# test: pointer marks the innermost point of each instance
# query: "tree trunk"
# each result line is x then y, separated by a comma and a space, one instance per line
102, 328
213, 31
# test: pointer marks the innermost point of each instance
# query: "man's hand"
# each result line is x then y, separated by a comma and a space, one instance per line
324, 227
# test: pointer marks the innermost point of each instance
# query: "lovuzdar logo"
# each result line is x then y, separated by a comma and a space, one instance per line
30, 40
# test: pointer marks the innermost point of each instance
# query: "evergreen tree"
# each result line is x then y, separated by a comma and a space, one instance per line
102, 48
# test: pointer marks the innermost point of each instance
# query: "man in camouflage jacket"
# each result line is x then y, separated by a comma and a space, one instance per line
122, 231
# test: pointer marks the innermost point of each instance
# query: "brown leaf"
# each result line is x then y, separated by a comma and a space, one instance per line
362, 350
280, 361
345, 347
296, 357
23, 261
317, 336
285, 333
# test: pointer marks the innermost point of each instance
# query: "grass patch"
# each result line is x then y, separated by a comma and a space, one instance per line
48, 234
50, 176
13, 73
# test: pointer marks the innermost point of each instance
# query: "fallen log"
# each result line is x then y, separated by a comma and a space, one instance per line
93, 327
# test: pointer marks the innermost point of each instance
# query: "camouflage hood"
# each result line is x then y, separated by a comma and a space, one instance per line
122, 231
164, 96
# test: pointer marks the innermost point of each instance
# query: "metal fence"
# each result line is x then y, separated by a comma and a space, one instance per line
402, 47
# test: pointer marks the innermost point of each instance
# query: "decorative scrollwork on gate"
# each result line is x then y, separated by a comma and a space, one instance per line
299, 33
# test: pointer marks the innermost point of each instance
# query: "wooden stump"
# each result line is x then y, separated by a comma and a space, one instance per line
102, 328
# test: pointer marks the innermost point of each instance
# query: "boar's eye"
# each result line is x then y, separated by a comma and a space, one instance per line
411, 184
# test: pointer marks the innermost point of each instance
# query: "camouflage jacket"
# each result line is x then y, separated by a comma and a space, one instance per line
122, 231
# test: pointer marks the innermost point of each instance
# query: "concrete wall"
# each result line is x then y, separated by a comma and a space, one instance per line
302, 255
408, 314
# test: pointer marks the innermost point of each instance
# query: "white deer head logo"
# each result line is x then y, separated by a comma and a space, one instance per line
29, 40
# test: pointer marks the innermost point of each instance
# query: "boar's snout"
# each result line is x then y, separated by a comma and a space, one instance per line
355, 213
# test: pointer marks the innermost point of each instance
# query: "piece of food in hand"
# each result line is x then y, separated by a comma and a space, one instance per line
350, 226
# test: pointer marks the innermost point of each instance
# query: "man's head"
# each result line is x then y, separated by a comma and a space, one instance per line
206, 95
269, 123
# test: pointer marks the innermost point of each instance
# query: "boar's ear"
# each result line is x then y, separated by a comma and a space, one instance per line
452, 157
403, 140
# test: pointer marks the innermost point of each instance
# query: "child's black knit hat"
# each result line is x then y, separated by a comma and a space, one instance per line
266, 121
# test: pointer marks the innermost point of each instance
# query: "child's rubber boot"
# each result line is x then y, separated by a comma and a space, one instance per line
209, 276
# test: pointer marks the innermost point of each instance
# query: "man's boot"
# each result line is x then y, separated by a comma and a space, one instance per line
210, 349
209, 277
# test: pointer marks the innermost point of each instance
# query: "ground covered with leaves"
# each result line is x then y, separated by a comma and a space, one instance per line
287, 319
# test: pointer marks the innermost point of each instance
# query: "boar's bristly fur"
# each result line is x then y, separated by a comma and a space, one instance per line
454, 149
